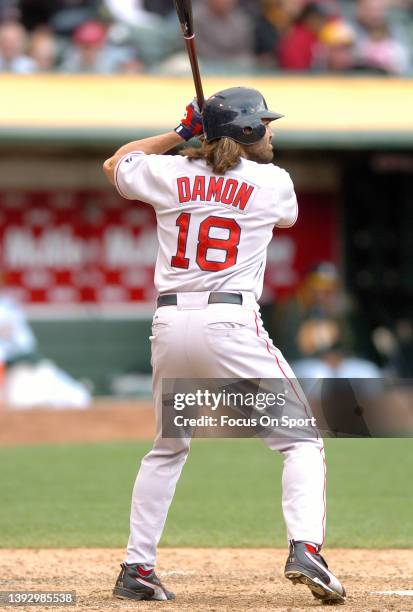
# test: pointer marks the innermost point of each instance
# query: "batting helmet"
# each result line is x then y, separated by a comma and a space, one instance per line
236, 113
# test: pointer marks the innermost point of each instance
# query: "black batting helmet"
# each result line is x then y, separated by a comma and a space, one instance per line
236, 113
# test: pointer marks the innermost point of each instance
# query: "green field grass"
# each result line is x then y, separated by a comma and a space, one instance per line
229, 495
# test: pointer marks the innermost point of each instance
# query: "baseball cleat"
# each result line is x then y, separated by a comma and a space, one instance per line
136, 582
306, 566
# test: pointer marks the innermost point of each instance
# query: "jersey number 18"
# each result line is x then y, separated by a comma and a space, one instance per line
205, 241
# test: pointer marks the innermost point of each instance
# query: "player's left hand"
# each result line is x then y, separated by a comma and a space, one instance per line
191, 125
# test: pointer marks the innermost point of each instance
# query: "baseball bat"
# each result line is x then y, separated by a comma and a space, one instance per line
184, 12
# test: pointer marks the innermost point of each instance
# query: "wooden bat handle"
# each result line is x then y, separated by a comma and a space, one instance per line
184, 12
190, 46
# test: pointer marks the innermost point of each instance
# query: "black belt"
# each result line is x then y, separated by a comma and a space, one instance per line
215, 297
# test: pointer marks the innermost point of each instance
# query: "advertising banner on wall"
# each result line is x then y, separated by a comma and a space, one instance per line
94, 248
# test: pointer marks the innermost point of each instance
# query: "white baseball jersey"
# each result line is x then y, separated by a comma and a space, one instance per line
213, 230
213, 235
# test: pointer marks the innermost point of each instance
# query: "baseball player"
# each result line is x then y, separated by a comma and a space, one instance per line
216, 207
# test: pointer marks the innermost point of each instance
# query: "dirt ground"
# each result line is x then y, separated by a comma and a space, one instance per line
210, 580
203, 579
107, 420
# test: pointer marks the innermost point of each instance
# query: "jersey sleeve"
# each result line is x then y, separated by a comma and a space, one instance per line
287, 205
142, 177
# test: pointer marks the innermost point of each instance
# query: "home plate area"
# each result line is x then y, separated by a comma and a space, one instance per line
213, 579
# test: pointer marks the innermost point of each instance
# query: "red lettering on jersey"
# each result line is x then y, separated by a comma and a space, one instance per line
198, 191
226, 191
184, 189
228, 194
215, 189
243, 196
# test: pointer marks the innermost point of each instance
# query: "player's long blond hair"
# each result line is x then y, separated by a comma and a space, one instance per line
222, 155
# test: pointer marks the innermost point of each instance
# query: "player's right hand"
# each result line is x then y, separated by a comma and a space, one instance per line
191, 125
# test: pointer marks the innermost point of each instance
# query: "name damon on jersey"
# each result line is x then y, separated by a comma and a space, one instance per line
228, 191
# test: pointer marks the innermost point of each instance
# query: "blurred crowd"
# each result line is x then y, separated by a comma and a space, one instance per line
243, 36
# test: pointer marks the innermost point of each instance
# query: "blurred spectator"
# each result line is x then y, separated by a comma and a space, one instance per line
90, 52
378, 46
267, 26
317, 330
224, 32
30, 380
274, 20
43, 49
338, 40
13, 41
299, 48
317, 302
